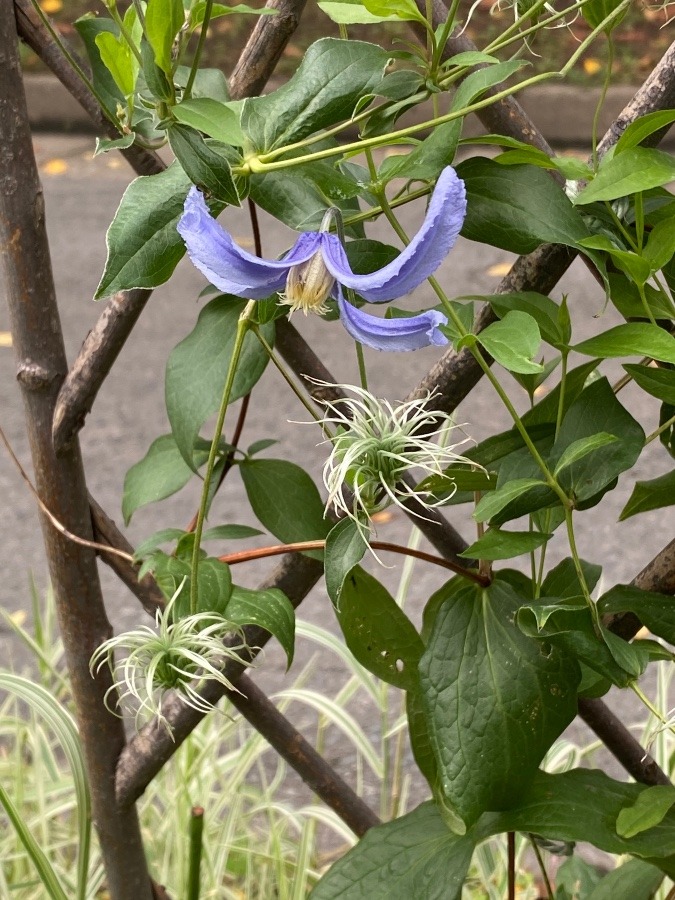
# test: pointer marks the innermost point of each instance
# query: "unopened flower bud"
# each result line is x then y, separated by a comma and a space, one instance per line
308, 286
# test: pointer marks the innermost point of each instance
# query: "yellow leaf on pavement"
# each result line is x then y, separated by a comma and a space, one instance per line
500, 269
55, 167
5, 339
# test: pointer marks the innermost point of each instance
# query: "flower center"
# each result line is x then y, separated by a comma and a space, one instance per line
308, 286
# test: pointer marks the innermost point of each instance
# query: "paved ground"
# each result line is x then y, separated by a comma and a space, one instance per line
81, 196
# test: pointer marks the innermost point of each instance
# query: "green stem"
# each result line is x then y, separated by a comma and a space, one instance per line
650, 706
242, 327
667, 424
647, 308
580, 572
601, 99
265, 162
542, 867
208, 7
195, 857
288, 378
363, 375
561, 398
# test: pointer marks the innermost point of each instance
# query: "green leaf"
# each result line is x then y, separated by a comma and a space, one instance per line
285, 499
160, 473
658, 382
639, 880
144, 246
636, 169
345, 546
118, 60
163, 21
414, 856
641, 128
568, 625
377, 631
636, 267
104, 145
649, 809
324, 90
498, 544
513, 342
269, 609
575, 879
596, 410
541, 308
495, 699
517, 208
219, 9
215, 586
350, 12
197, 368
229, 533
207, 169
655, 611
563, 579
493, 503
401, 9
427, 160
210, 83
477, 83
596, 11
156, 80
631, 339
656, 493
660, 246
88, 27
460, 478
583, 805
216, 119
163, 536
578, 449
418, 734
625, 296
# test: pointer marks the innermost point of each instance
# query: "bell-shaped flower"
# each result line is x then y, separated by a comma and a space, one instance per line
316, 268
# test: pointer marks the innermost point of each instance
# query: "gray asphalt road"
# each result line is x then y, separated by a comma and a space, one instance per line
81, 196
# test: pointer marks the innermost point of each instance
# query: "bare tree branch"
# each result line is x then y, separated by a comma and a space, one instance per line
41, 362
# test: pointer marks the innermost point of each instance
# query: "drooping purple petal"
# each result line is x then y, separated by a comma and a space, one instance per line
425, 252
410, 333
228, 266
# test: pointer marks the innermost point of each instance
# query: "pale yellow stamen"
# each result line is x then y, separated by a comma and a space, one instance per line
308, 286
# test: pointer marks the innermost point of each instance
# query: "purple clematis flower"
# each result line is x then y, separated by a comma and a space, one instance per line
316, 267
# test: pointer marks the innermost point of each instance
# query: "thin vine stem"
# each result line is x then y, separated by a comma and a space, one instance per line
542, 867
606, 81
208, 7
301, 546
666, 425
243, 326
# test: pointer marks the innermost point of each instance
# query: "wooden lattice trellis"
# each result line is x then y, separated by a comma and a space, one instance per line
57, 400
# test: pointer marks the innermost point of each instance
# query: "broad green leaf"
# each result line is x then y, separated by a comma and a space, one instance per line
563, 579
160, 473
163, 21
658, 382
216, 119
229, 533
568, 166
641, 128
625, 296
156, 80
660, 246
118, 60
104, 146
197, 368
632, 264
568, 625
377, 631
459, 478
631, 339
578, 449
648, 810
597, 410
269, 609
636, 169
655, 611
285, 500
144, 246
498, 544
495, 699
656, 493
402, 9
427, 160
299, 197
596, 11
541, 308
639, 880
418, 734
546, 410
210, 83
583, 805
350, 12
513, 342
415, 856
477, 83
331, 78
517, 208
163, 536
215, 586
345, 546
88, 27
667, 427
575, 879
207, 169
496, 501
